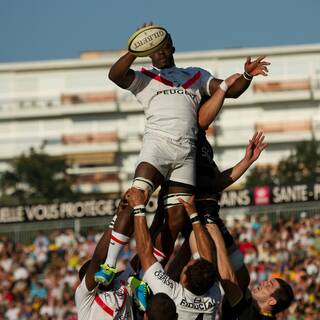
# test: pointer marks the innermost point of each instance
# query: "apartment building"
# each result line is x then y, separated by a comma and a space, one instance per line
72, 110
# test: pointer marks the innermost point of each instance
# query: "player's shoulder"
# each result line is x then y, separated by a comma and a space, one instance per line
245, 309
144, 70
82, 287
197, 69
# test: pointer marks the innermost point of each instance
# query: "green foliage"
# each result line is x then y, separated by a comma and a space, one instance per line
35, 178
261, 176
301, 167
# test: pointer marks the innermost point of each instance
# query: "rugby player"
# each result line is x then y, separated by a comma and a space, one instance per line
97, 302
170, 97
210, 184
263, 302
191, 295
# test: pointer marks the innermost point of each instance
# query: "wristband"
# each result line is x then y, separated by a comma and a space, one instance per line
139, 211
247, 76
194, 218
223, 86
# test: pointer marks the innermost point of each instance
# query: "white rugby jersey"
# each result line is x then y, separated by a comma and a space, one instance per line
189, 306
103, 305
170, 98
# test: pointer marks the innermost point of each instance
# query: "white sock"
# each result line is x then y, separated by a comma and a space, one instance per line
117, 242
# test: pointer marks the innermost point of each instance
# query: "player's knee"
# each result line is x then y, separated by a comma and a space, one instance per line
143, 184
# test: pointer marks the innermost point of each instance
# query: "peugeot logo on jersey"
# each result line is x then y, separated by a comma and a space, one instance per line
177, 91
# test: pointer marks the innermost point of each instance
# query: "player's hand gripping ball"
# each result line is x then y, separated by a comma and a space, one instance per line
147, 40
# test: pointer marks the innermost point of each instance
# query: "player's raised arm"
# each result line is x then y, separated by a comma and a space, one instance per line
120, 73
97, 259
202, 237
210, 109
251, 69
253, 151
136, 199
227, 275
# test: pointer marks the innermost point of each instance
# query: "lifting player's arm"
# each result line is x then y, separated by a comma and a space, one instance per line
252, 69
227, 276
210, 109
136, 199
201, 235
98, 258
253, 151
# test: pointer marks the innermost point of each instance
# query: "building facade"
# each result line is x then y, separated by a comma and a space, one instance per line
72, 110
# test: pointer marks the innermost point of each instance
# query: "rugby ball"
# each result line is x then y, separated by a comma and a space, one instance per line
147, 40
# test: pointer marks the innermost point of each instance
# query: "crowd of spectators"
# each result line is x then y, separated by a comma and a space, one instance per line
38, 280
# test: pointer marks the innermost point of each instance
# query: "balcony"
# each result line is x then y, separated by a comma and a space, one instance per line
86, 170
79, 145
99, 137
295, 88
286, 131
58, 105
106, 187
96, 181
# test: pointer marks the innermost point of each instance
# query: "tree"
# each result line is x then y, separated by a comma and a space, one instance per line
35, 178
302, 166
261, 176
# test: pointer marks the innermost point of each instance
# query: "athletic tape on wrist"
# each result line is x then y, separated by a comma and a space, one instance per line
192, 215
142, 214
139, 211
112, 222
140, 206
194, 218
247, 76
223, 86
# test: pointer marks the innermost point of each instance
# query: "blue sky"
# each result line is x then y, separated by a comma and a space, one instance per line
58, 29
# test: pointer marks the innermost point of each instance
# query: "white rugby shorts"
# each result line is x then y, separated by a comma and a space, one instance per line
173, 158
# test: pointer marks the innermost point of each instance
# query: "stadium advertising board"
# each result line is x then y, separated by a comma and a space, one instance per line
263, 195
